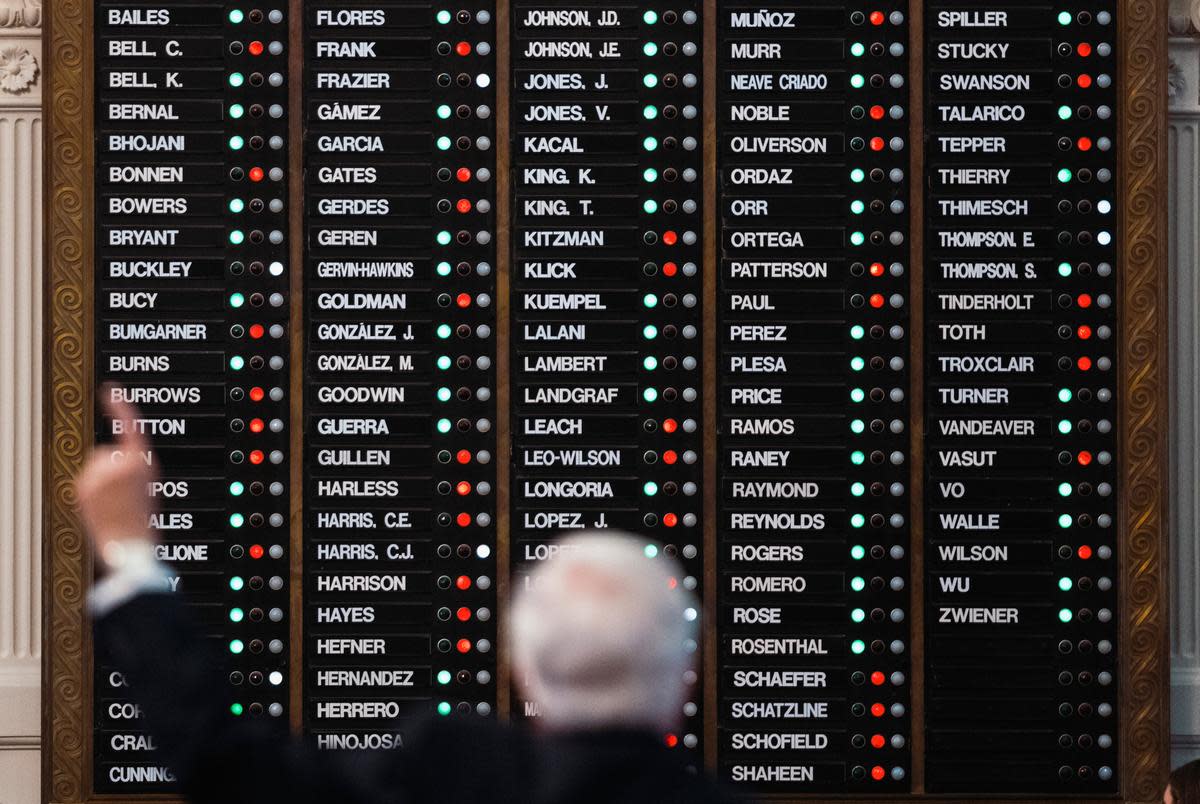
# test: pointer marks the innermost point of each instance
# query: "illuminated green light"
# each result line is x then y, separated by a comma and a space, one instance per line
650, 206
858, 646
857, 175
1064, 394
858, 583
236, 16
444, 238
1064, 18
444, 394
443, 425
857, 521
443, 143
650, 300
857, 81
650, 144
236, 583
857, 49
858, 489
858, 552
236, 646
236, 111
236, 300
443, 708
236, 488
236, 615
650, 112
236, 205
444, 17
443, 269
650, 49
857, 238
444, 362
236, 709
444, 331
1065, 615
858, 615
858, 457
650, 488
236, 520
650, 363
443, 112
858, 207
650, 394
1064, 112
1065, 584
236, 79
857, 426
1064, 520
444, 676
857, 395
650, 17
649, 332
1064, 489
857, 332
237, 237
1064, 269
857, 363
1064, 175
237, 142
650, 174
650, 551
237, 362
650, 80
1064, 426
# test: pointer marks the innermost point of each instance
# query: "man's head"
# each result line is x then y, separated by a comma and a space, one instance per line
603, 636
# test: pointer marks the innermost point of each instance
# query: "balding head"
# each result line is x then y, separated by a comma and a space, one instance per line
603, 635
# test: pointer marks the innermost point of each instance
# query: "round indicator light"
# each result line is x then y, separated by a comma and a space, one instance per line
650, 206
877, 18
257, 457
670, 269
1084, 49
650, 143
1084, 300
444, 268
858, 583
444, 143
237, 362
236, 583
877, 741
858, 489
237, 237
877, 112
1084, 458
1084, 552
463, 519
877, 678
650, 551
670, 238
443, 112
1064, 18
1084, 332
670, 425
463, 456
857, 426
463, 206
858, 521
236, 615
444, 708
1064, 175
462, 582
671, 741
650, 49
1064, 489
1084, 80
878, 709
256, 551
857, 175
444, 362
650, 112
463, 174
236, 16
236, 488
236, 111
444, 17
1064, 426
670, 457
236, 520
877, 772
649, 332
857, 332
463, 48
858, 647
858, 364
236, 300
1084, 143
858, 615
1065, 615
1064, 269
858, 457
650, 80
650, 363
236, 646
236, 205
670, 520
1065, 584
236, 709
857, 49
650, 488
1064, 395
857, 395
650, 175
858, 207
650, 17
256, 174
444, 331
257, 425
1084, 363
857, 81
463, 614
444, 238
463, 488
236, 79
1064, 521
650, 394
255, 48
650, 301
1064, 112
444, 677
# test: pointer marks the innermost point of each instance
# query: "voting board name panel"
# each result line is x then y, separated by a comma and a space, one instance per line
855, 310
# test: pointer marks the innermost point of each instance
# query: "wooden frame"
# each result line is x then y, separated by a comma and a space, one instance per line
67, 693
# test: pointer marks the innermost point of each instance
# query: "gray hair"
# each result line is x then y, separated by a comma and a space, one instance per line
604, 633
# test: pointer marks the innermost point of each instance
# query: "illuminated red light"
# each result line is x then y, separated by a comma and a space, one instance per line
256, 331
463, 488
463, 456
256, 394
1084, 143
1084, 49
462, 48
256, 551
877, 18
670, 457
670, 425
1084, 300
463, 582
463, 205
463, 646
463, 300
672, 583
256, 457
1084, 552
877, 741
670, 269
877, 678
463, 614
877, 773
256, 425
464, 174
1084, 458
876, 112
670, 520
463, 519
876, 269
255, 48
876, 300
670, 238
1084, 332
877, 143
1084, 363
256, 174
1084, 80
672, 741
878, 709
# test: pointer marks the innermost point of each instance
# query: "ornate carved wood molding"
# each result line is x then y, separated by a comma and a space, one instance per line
20, 13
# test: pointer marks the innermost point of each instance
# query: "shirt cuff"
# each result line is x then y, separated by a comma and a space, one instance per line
133, 570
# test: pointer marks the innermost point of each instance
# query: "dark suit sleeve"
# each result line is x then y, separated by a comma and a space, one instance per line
217, 758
